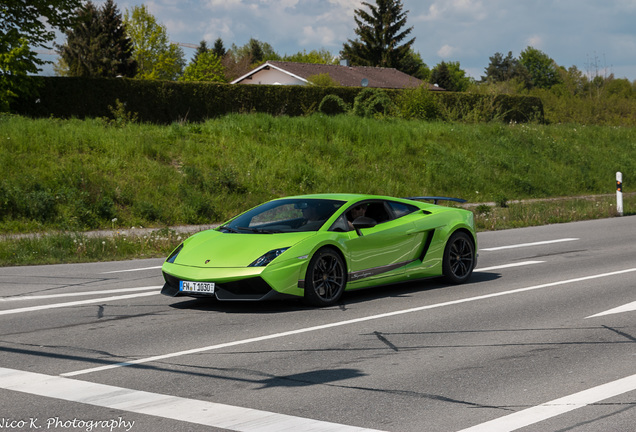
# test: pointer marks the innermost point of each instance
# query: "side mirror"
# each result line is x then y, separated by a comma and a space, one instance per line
363, 222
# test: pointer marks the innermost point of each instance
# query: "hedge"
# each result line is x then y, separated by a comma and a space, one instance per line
166, 102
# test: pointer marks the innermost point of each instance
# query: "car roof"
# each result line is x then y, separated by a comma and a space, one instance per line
343, 197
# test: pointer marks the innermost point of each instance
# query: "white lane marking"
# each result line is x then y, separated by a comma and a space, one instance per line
76, 294
132, 270
504, 266
76, 303
528, 244
556, 407
161, 405
341, 323
629, 307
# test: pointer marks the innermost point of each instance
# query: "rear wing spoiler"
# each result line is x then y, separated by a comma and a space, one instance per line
436, 199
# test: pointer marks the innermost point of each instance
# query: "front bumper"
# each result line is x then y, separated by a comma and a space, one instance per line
250, 289
249, 283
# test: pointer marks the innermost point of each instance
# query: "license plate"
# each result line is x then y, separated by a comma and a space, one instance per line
198, 287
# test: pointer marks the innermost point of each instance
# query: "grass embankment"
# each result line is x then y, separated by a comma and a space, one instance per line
74, 176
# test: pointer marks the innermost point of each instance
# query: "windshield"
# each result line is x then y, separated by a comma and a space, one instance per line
284, 215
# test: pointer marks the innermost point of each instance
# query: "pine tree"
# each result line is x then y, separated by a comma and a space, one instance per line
118, 48
380, 34
202, 49
81, 53
97, 46
218, 49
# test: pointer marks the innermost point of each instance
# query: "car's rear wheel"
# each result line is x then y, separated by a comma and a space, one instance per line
459, 258
326, 278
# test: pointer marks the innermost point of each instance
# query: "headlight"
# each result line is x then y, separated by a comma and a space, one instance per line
268, 257
173, 255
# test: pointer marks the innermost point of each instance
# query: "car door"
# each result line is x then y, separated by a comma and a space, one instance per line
384, 249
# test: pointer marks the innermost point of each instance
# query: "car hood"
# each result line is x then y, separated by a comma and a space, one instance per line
212, 248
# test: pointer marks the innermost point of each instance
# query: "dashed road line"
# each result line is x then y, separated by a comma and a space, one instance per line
76, 303
629, 307
521, 245
505, 266
132, 270
76, 294
556, 407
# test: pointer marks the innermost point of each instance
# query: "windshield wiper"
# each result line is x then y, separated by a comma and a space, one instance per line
259, 230
229, 228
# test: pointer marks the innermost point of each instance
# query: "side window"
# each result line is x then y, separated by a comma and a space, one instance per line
341, 224
378, 212
400, 209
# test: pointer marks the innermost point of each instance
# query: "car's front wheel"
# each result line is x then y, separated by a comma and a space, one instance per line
326, 278
459, 258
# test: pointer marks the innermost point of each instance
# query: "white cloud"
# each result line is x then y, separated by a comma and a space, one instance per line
535, 41
456, 10
318, 37
446, 51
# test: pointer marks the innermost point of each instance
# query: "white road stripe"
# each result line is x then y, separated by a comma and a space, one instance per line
528, 244
132, 270
76, 303
77, 294
630, 307
164, 406
342, 323
556, 407
504, 266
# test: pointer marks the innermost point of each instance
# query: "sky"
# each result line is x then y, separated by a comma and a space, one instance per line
596, 36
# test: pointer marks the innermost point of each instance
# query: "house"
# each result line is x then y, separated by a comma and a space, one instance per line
291, 73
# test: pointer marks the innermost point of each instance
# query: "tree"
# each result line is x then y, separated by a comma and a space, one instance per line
314, 56
323, 80
415, 66
240, 60
97, 45
543, 70
156, 57
202, 49
118, 47
256, 51
25, 26
207, 67
218, 49
380, 34
502, 69
450, 76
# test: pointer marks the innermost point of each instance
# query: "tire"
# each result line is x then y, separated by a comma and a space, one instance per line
326, 279
459, 258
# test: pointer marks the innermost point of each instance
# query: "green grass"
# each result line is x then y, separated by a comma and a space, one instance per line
550, 211
74, 176
57, 248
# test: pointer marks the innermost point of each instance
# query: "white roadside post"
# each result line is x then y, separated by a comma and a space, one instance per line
619, 193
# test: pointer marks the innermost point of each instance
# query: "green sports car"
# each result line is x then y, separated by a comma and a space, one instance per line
318, 246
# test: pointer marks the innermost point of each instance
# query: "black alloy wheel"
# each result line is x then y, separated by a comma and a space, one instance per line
459, 258
326, 278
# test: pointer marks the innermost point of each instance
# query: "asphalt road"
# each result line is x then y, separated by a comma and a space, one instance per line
543, 338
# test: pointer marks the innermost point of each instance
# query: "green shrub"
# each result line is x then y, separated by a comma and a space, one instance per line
372, 101
40, 205
419, 104
333, 105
